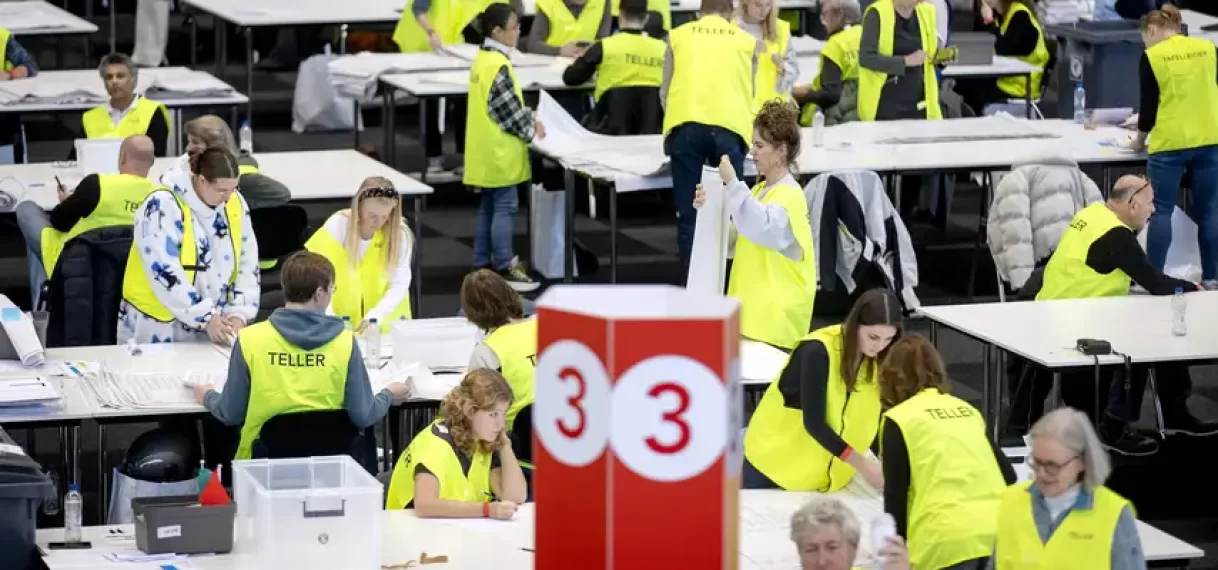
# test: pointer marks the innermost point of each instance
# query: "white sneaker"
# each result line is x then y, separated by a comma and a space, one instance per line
1210, 284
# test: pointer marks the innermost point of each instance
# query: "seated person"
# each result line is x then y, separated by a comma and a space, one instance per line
1099, 256
826, 535
1018, 35
629, 67
99, 200
462, 465
298, 360
567, 27
835, 89
126, 113
258, 189
659, 17
15, 63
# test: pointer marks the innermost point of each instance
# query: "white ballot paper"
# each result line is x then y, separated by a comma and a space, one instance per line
708, 259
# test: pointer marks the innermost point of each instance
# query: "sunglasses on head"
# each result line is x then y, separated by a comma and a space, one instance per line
379, 192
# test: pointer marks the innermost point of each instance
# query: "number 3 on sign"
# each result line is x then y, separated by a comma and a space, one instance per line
570, 414
668, 416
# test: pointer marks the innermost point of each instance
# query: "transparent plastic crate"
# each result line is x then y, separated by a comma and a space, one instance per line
318, 512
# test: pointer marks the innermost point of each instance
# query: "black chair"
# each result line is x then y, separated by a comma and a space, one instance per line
311, 434
83, 294
280, 231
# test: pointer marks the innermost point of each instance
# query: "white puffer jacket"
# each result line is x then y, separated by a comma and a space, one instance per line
1032, 207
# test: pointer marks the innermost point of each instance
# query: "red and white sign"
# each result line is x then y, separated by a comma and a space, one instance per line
637, 423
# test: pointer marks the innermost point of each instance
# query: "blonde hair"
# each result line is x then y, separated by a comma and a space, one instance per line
769, 24
481, 389
1072, 429
1166, 18
213, 132
394, 238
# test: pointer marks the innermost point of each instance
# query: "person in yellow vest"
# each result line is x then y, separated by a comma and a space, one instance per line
462, 465
942, 475
1065, 518
1017, 34
298, 360
567, 27
777, 69
98, 201
628, 67
818, 419
774, 269
192, 274
499, 164
835, 88
126, 113
827, 533
510, 347
1178, 76
258, 189
658, 18
702, 125
370, 246
896, 62
15, 63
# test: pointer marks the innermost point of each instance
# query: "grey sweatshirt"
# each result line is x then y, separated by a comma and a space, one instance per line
307, 330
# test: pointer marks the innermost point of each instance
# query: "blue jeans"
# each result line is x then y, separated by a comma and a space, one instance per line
31, 218
493, 230
1165, 170
752, 478
692, 145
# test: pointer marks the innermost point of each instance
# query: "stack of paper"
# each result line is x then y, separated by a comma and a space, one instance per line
355, 76
182, 83
128, 390
580, 149
19, 328
30, 16
27, 391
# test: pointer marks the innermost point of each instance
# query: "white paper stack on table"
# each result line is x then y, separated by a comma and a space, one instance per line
31, 391
355, 76
182, 83
143, 390
594, 154
19, 327
30, 16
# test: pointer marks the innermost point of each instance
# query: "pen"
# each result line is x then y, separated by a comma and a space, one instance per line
383, 365
527, 549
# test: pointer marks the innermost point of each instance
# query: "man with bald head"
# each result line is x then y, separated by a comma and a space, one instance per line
99, 200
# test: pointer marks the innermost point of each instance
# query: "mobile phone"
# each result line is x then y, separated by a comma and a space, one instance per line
58, 184
83, 545
947, 55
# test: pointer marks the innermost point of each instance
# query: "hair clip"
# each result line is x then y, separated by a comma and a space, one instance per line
379, 192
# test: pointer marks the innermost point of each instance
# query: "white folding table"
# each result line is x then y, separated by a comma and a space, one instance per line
37, 18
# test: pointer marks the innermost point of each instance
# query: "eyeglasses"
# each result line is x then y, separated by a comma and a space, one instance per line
1145, 185
379, 192
1050, 468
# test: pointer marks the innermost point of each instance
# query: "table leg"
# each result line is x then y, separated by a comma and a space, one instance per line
113, 29
221, 48
1154, 392
987, 409
1055, 394
194, 39
423, 133
386, 447
102, 495
175, 133
417, 298
568, 248
1028, 93
249, 74
74, 448
612, 233
356, 114
1107, 176
233, 116
934, 334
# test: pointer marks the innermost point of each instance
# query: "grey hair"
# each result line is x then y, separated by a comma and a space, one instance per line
116, 58
850, 8
214, 133
821, 512
1072, 429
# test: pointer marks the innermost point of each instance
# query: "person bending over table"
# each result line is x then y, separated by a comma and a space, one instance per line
192, 274
817, 420
826, 535
370, 246
942, 475
629, 68
774, 269
1065, 518
701, 125
1098, 255
1018, 35
126, 113
567, 27
462, 465
1178, 77
98, 201
777, 70
510, 346
15, 63
258, 189
835, 88
298, 360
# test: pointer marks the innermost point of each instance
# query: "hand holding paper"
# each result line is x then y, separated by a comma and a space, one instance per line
727, 172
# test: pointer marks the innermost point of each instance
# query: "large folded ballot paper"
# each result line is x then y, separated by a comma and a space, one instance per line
708, 258
20, 339
594, 154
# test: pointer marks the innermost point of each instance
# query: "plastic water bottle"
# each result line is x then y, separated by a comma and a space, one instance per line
1179, 308
1080, 103
883, 527
246, 135
372, 344
818, 129
73, 507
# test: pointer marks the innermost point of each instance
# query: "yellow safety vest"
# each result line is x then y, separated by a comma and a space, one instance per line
778, 445
358, 288
662, 7
499, 159
516, 346
433, 448
448, 17
97, 123
243, 169
285, 378
5, 64
871, 82
711, 47
776, 294
767, 73
1184, 68
1067, 275
629, 60
955, 482
121, 196
1018, 86
137, 289
1083, 540
843, 50
565, 27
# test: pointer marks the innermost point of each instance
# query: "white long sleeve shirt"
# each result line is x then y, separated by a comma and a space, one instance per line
399, 283
766, 225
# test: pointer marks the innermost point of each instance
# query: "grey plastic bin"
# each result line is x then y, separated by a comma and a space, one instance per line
23, 488
1104, 56
181, 525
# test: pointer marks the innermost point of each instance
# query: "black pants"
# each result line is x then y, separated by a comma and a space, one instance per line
456, 125
1029, 385
978, 92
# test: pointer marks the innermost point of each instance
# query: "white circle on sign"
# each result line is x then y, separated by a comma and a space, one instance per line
668, 416
571, 412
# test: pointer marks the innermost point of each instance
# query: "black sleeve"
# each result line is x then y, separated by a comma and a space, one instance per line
1021, 37
803, 384
1148, 111
79, 204
830, 91
158, 131
896, 475
1119, 250
582, 69
1004, 465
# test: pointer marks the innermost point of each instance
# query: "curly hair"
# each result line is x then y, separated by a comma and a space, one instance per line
480, 390
778, 124
488, 301
912, 365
